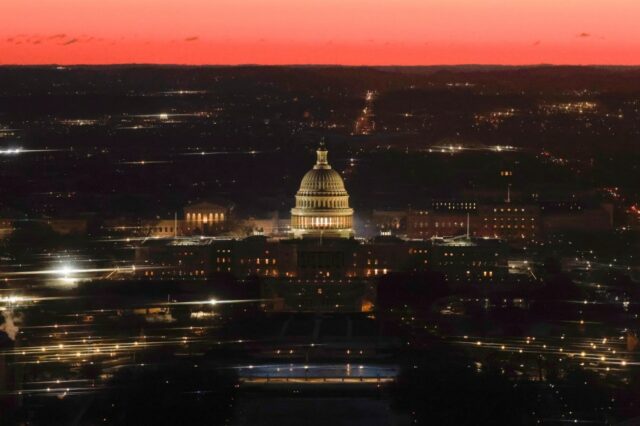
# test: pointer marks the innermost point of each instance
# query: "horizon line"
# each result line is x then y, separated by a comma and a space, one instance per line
336, 65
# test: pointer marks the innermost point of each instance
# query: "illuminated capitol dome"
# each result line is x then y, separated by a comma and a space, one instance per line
322, 203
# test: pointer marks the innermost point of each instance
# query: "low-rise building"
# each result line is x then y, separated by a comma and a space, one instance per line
576, 217
205, 218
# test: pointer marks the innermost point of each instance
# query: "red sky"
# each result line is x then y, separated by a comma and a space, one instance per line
350, 32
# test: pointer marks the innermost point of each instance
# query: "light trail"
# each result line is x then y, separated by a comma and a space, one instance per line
66, 271
214, 302
20, 150
456, 148
145, 162
252, 152
594, 354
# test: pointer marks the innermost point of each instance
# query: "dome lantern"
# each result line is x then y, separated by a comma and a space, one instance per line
321, 161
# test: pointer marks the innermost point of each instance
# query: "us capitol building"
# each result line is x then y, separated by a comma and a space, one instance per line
316, 264
322, 203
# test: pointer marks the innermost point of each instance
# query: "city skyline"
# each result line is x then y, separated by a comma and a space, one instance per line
320, 212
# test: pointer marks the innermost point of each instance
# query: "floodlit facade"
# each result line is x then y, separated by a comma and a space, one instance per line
322, 203
205, 218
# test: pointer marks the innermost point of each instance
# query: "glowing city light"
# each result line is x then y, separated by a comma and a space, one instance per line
66, 274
